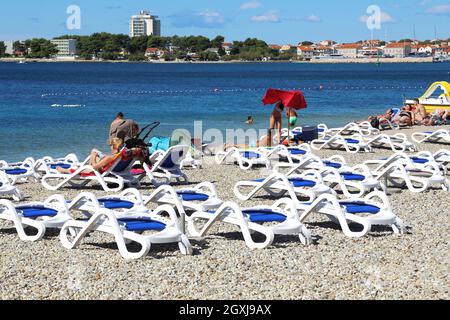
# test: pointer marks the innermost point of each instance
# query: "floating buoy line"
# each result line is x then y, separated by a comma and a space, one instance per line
218, 90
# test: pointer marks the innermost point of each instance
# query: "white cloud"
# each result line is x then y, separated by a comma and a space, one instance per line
267, 17
250, 5
385, 18
212, 17
204, 19
443, 9
313, 18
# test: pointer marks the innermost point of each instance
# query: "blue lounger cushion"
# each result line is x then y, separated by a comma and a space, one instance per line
260, 216
250, 155
333, 164
359, 207
296, 182
142, 224
116, 203
62, 165
36, 211
15, 171
192, 196
297, 152
419, 160
352, 176
353, 141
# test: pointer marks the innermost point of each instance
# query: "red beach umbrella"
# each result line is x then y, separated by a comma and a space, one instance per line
292, 99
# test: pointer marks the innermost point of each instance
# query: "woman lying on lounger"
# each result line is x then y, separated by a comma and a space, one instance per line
98, 160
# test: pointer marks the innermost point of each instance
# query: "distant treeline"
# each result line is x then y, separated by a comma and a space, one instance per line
109, 46
119, 46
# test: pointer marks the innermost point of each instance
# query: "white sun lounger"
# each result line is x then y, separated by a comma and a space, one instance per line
353, 144
277, 185
353, 182
397, 143
366, 212
18, 172
125, 228
363, 129
283, 153
311, 161
245, 159
282, 217
166, 166
400, 170
118, 173
52, 213
439, 136
6, 189
441, 157
48, 164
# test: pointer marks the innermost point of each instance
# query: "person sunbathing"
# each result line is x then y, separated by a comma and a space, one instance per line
377, 120
437, 118
99, 161
406, 116
420, 114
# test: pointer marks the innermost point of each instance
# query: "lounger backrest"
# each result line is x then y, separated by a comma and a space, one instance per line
173, 157
120, 162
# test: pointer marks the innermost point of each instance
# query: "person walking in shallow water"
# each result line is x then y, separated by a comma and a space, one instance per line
275, 121
292, 117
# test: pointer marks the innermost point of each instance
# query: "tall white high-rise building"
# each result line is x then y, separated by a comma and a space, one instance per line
145, 24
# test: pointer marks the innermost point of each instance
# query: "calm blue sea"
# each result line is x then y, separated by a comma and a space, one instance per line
222, 95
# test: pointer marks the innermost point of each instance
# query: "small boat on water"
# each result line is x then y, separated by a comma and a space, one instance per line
436, 97
67, 105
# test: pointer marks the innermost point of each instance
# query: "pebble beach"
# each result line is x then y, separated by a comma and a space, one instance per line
381, 265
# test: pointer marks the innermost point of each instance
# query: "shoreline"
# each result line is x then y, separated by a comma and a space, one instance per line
322, 61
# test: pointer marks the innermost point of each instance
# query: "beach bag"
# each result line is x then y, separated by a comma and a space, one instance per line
375, 123
159, 143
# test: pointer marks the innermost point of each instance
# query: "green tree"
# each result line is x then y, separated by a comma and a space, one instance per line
221, 52
137, 58
2, 48
217, 42
138, 45
307, 43
41, 48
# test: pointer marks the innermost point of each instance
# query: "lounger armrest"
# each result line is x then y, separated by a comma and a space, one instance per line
84, 197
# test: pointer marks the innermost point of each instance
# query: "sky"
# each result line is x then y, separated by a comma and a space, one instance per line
274, 21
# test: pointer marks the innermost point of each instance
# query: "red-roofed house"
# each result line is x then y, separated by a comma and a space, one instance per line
154, 53
286, 47
398, 49
349, 50
305, 52
322, 50
227, 46
274, 47
327, 43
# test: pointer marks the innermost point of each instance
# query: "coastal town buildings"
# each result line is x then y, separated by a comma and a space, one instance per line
286, 48
227, 46
67, 48
144, 24
323, 50
397, 49
327, 43
9, 47
349, 50
305, 52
